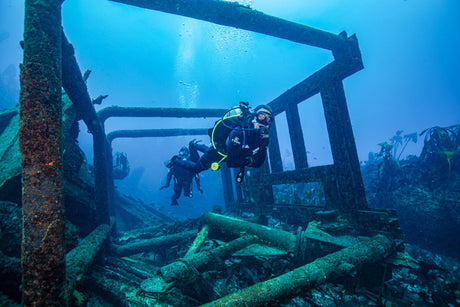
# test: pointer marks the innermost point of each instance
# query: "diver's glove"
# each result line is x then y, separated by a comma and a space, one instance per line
247, 161
171, 162
164, 187
174, 158
193, 143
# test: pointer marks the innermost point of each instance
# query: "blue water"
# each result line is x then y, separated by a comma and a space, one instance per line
147, 58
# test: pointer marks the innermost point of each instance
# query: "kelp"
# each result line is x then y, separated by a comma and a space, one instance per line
441, 145
439, 139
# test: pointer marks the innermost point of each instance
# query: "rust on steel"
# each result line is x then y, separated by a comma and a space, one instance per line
79, 259
148, 133
274, 291
76, 89
116, 111
40, 144
243, 17
228, 228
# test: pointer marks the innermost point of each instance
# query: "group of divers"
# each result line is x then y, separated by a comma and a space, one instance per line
239, 139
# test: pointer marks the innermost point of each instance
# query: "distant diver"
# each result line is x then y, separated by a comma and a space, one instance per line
183, 177
121, 166
240, 138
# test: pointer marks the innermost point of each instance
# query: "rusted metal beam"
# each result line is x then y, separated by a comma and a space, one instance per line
296, 134
40, 144
343, 148
313, 84
138, 234
116, 111
317, 173
276, 163
228, 228
148, 133
199, 240
79, 259
152, 244
75, 87
274, 291
325, 174
243, 17
187, 270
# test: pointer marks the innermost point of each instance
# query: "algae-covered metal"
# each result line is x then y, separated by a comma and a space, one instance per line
274, 291
41, 148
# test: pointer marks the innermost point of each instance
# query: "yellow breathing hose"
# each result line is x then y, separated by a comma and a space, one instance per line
215, 166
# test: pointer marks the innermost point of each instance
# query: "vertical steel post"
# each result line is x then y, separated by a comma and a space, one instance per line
276, 163
227, 186
349, 179
40, 143
296, 134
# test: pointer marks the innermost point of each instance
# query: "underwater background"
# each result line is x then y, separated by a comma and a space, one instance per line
143, 58
147, 58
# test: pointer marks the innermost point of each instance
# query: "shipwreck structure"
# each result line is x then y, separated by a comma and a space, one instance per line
49, 276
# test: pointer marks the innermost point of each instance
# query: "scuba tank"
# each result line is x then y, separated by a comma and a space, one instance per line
243, 113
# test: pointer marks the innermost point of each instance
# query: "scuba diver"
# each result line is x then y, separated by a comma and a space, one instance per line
182, 176
239, 138
121, 166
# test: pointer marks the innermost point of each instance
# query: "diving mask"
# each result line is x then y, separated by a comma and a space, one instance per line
264, 118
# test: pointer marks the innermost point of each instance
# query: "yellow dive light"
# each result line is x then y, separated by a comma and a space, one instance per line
215, 166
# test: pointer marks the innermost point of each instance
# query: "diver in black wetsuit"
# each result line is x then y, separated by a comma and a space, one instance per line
182, 177
240, 139
121, 167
